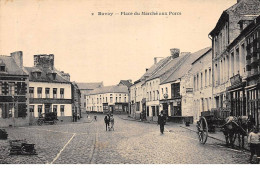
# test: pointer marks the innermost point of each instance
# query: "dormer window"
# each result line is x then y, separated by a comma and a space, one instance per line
2, 68
54, 76
37, 73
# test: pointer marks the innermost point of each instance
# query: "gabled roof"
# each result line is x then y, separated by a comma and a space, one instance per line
155, 67
90, 86
241, 9
110, 89
126, 83
186, 65
11, 67
169, 66
44, 75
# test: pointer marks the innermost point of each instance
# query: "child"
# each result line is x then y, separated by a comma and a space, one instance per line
254, 143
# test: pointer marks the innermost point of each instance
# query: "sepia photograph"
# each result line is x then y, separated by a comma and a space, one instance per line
132, 82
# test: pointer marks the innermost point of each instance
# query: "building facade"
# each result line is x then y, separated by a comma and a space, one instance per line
228, 63
108, 99
48, 90
85, 89
14, 101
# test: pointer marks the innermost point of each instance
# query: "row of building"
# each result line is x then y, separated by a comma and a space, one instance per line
223, 78
27, 92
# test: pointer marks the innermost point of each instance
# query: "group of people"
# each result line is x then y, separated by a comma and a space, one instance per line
109, 121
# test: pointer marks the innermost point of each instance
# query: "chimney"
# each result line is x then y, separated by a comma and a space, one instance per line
44, 60
155, 60
18, 58
146, 69
238, 1
130, 80
66, 76
175, 52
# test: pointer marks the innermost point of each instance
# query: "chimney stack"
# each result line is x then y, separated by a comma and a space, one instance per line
44, 60
146, 69
175, 52
155, 60
18, 58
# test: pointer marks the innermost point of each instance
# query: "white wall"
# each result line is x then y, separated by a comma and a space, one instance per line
67, 109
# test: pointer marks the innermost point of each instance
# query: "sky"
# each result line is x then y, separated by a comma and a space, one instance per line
95, 48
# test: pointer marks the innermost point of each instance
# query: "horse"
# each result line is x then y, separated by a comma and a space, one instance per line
236, 127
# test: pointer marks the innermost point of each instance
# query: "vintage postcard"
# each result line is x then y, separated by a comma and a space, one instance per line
129, 82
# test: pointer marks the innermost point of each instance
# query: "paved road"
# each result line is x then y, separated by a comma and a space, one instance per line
130, 143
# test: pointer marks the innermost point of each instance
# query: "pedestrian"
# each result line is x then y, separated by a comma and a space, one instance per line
112, 122
95, 117
254, 143
107, 120
161, 121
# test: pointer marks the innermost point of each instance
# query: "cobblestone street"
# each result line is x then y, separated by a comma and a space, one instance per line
131, 142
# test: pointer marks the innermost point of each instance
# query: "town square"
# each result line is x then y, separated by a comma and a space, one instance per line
162, 83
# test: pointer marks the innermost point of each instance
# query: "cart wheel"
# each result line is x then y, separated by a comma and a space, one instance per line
39, 122
203, 130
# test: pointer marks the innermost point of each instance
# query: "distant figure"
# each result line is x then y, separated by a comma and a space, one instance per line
95, 118
161, 121
107, 120
112, 122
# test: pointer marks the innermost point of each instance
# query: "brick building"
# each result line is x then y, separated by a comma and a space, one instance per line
14, 102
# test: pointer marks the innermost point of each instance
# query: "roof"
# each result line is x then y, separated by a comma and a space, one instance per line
186, 65
241, 9
126, 83
44, 77
110, 89
90, 86
11, 67
169, 66
155, 67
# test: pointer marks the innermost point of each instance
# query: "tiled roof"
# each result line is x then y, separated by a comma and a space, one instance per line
11, 67
44, 77
126, 83
182, 69
110, 89
154, 68
90, 86
169, 66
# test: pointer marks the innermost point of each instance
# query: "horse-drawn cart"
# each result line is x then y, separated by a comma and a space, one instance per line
231, 126
21, 147
50, 118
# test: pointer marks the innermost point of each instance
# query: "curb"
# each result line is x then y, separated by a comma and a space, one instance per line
138, 120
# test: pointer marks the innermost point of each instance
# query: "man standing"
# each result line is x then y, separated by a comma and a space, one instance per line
161, 121
107, 120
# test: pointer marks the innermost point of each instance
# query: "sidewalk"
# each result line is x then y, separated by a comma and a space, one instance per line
216, 135
125, 117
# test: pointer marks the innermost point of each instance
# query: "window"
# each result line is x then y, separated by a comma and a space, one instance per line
201, 78
47, 92
162, 91
31, 92
119, 99
1, 88
39, 110
55, 108
206, 81
111, 99
62, 93
125, 99
31, 109
166, 90
97, 101
39, 92
62, 108
153, 95
116, 99
210, 76
158, 95
11, 88
55, 93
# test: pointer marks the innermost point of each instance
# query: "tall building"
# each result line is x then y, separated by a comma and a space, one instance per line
228, 62
14, 101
